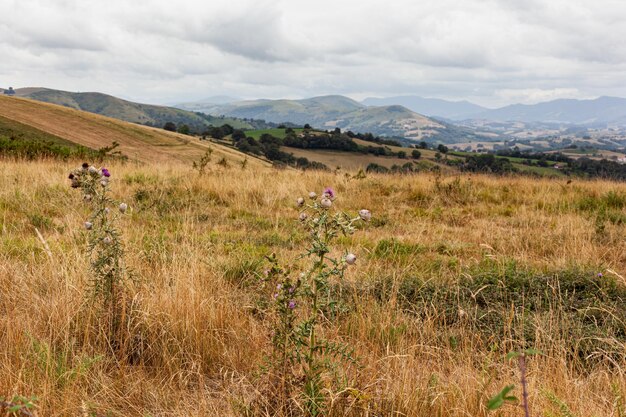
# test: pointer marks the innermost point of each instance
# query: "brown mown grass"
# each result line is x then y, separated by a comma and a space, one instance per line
446, 268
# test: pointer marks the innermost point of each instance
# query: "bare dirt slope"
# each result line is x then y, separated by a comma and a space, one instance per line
139, 142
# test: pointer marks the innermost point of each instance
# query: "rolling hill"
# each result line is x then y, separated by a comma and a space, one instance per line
142, 143
329, 112
432, 107
145, 114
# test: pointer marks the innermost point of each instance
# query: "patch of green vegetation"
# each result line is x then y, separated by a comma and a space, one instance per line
503, 302
393, 249
279, 133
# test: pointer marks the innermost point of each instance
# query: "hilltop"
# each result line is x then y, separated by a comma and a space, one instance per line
329, 112
143, 143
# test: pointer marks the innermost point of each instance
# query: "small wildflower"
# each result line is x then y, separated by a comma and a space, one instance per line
292, 304
278, 287
291, 290
329, 193
326, 203
600, 275
92, 170
303, 216
365, 214
350, 258
123, 207
275, 295
300, 201
88, 225
312, 195
105, 172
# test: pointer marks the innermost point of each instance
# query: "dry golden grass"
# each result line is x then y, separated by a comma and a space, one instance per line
137, 142
192, 242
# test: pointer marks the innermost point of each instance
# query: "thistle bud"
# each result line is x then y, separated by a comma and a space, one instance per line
329, 193
92, 170
123, 207
326, 203
312, 195
88, 225
365, 214
303, 216
350, 258
87, 197
104, 182
300, 201
107, 240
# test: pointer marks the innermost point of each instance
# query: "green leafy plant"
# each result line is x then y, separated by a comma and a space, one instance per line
503, 396
17, 406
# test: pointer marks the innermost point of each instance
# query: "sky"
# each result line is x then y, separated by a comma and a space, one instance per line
491, 52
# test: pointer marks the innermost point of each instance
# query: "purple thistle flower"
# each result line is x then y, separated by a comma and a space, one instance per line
292, 304
105, 172
329, 193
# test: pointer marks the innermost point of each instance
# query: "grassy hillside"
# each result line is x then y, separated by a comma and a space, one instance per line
334, 111
93, 131
125, 110
452, 273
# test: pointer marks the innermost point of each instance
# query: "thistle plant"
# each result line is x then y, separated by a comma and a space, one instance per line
203, 162
105, 248
304, 304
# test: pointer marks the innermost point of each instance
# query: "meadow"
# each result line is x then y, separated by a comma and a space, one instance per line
452, 273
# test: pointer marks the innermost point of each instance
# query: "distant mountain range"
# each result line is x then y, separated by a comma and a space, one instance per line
129, 111
411, 117
600, 111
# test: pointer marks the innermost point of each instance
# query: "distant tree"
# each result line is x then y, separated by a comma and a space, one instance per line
438, 156
184, 129
423, 145
416, 154
401, 154
171, 126
442, 148
238, 135
307, 126
227, 129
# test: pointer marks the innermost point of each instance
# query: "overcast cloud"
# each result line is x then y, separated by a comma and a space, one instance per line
493, 52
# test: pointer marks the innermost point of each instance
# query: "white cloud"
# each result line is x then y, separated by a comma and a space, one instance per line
491, 51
